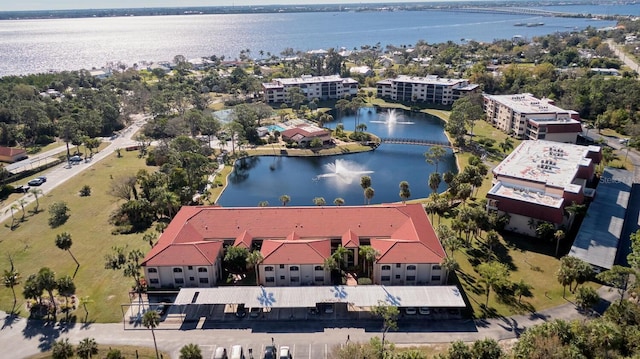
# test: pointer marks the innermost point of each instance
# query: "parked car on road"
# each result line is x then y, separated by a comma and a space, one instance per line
285, 353
269, 352
220, 353
37, 181
424, 310
237, 352
75, 159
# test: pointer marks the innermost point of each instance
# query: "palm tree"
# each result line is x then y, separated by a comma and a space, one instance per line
87, 348
11, 278
35, 192
64, 242
369, 254
253, 259
435, 155
190, 351
62, 349
66, 288
365, 182
150, 320
319, 201
340, 256
263, 204
284, 199
83, 302
368, 194
492, 240
506, 145
338, 201
405, 193
558, 235
14, 207
22, 202
46, 280
450, 265
434, 181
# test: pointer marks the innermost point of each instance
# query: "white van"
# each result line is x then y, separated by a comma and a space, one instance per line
236, 352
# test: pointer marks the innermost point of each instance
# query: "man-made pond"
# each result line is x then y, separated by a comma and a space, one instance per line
302, 178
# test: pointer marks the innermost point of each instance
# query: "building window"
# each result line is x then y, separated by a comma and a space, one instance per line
398, 265
295, 279
282, 266
202, 270
179, 281
411, 267
318, 268
268, 269
319, 279
436, 267
153, 270
397, 276
190, 267
411, 278
204, 280
386, 267
281, 277
435, 278
294, 268
192, 278
270, 279
177, 270
154, 281
385, 278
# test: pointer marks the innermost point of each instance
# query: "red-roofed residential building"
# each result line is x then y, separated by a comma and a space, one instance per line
303, 135
295, 242
12, 154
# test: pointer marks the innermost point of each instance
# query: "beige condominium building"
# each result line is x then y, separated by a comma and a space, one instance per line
526, 117
320, 87
430, 89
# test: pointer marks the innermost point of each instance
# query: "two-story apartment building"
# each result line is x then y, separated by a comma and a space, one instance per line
429, 89
320, 87
295, 242
526, 117
539, 179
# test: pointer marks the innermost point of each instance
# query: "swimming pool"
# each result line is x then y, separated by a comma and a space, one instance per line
273, 128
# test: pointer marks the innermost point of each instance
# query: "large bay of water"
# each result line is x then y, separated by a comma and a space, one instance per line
32, 46
267, 178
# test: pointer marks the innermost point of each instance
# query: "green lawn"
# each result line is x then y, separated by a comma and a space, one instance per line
127, 351
32, 243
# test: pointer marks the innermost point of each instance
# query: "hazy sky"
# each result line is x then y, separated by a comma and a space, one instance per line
8, 5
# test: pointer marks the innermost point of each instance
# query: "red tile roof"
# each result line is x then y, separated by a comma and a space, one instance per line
350, 240
11, 151
403, 222
296, 251
181, 254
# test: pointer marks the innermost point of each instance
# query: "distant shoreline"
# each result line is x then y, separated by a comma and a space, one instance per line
266, 9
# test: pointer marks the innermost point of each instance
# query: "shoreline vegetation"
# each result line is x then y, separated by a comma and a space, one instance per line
483, 6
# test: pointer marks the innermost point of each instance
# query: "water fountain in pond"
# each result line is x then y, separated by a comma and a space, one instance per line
392, 117
343, 170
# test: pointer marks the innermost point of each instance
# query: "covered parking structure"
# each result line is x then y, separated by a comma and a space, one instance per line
201, 303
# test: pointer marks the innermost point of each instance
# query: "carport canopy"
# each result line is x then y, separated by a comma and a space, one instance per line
310, 296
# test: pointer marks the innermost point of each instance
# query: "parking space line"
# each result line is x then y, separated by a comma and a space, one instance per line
326, 351
309, 351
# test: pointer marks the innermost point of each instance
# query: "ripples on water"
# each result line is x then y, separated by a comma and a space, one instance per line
28, 46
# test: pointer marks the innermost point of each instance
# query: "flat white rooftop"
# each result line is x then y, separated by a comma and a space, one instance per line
308, 297
552, 163
526, 103
525, 194
429, 80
